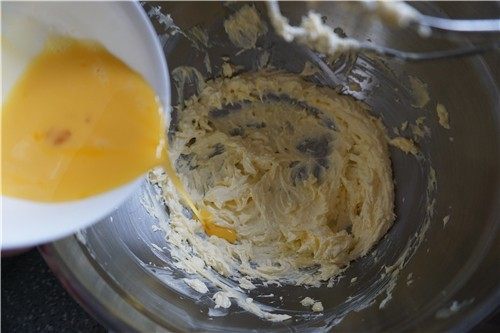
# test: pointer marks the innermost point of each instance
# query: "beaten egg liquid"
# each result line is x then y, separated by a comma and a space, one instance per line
80, 122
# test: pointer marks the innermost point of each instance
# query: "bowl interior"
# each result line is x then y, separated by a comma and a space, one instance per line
422, 275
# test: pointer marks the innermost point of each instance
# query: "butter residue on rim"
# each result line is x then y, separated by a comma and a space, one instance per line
244, 27
320, 37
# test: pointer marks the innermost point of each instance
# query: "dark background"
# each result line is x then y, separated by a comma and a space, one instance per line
34, 301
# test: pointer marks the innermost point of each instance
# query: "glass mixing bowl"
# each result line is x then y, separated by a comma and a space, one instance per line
425, 274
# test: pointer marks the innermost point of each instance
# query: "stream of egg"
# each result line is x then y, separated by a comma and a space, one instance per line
80, 122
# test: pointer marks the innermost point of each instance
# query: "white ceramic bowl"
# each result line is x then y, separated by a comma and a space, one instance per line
125, 30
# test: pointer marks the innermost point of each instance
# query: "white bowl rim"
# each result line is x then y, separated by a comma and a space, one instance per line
25, 223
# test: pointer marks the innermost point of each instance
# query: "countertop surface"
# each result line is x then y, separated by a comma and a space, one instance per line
33, 300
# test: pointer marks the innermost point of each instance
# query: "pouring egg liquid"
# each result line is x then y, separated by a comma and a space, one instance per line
80, 122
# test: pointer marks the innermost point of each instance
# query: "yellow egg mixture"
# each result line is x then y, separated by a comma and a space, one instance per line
80, 122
